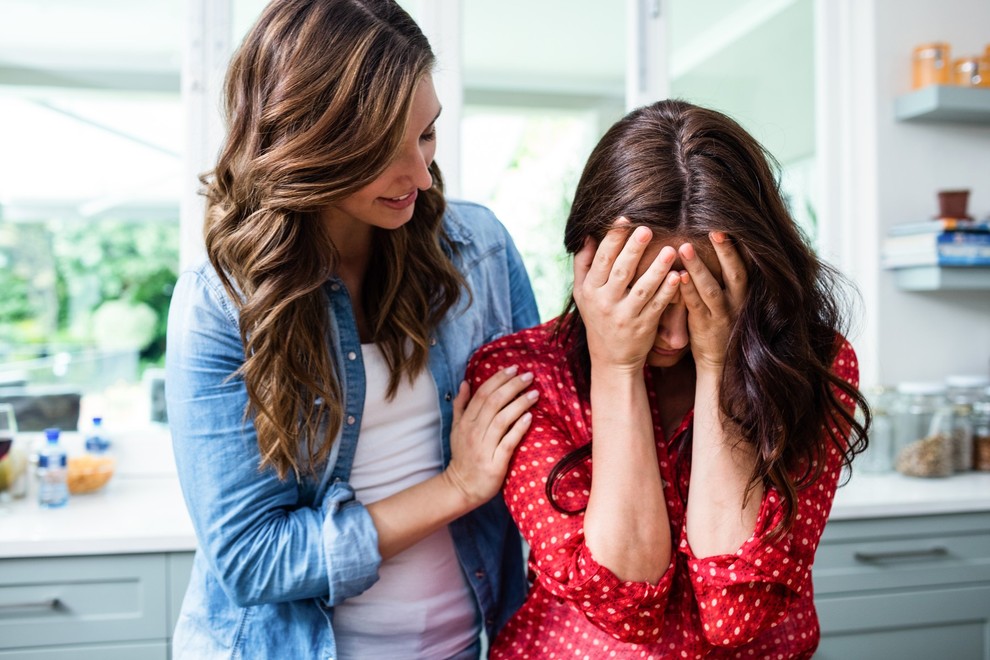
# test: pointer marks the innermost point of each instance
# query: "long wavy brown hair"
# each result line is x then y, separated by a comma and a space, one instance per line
317, 101
686, 171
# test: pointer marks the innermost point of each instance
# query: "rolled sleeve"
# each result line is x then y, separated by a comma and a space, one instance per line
350, 544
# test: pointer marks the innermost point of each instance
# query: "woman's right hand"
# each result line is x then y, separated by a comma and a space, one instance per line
486, 429
621, 312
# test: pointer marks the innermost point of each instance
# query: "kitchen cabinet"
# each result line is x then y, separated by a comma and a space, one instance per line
912, 586
104, 606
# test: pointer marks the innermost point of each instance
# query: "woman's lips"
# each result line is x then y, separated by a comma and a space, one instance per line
667, 352
399, 203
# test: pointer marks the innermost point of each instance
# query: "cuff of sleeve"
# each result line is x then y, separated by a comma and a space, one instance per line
757, 560
350, 544
588, 581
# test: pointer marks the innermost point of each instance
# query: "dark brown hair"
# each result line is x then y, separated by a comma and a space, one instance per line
317, 101
686, 171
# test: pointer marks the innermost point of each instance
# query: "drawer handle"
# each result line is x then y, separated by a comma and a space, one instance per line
895, 555
50, 604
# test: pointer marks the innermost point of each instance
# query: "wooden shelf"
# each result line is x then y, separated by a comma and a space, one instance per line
943, 278
945, 103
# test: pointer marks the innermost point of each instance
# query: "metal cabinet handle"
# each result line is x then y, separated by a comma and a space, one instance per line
50, 604
894, 555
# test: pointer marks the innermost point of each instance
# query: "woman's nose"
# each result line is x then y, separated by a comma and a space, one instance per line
415, 165
673, 326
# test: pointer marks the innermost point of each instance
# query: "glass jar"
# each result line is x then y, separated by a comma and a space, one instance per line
981, 433
922, 430
879, 454
963, 391
931, 65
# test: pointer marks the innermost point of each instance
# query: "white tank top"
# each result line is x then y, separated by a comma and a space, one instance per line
422, 605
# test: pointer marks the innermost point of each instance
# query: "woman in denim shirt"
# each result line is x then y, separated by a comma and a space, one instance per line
341, 478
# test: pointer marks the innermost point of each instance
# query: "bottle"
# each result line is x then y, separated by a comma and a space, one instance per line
97, 442
53, 489
923, 431
963, 393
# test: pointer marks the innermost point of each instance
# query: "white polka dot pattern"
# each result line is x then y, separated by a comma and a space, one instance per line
754, 603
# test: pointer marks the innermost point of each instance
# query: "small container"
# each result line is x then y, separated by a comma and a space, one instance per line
971, 72
879, 454
931, 65
981, 433
963, 391
953, 203
53, 491
922, 431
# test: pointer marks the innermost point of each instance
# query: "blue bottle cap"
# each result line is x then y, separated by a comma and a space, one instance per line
52, 434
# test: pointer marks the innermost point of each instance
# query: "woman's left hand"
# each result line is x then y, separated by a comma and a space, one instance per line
712, 305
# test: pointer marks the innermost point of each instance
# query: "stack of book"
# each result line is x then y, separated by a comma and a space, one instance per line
938, 242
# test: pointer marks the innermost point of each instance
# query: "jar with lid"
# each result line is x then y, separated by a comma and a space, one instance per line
879, 454
922, 430
963, 391
931, 65
981, 432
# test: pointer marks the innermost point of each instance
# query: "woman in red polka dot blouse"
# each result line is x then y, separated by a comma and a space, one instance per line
702, 350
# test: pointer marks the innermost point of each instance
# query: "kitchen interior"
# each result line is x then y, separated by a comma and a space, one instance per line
872, 107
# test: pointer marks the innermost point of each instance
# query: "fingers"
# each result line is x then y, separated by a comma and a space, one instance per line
511, 439
601, 269
496, 393
699, 287
657, 285
733, 268
582, 264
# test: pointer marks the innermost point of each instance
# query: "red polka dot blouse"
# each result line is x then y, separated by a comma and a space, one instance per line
756, 603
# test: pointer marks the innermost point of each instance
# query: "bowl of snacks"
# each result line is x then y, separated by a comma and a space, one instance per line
89, 472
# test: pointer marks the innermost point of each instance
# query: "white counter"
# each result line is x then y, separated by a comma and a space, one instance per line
141, 509
887, 495
131, 514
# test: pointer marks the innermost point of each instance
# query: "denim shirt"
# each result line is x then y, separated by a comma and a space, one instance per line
275, 556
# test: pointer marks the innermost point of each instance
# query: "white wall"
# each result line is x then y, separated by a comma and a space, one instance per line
880, 172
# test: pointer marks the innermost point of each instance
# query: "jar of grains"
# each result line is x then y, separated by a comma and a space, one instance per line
981, 433
963, 391
922, 430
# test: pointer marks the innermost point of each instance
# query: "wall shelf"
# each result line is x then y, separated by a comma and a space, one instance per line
945, 103
943, 278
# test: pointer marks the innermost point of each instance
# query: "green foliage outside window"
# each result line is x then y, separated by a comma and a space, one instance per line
86, 284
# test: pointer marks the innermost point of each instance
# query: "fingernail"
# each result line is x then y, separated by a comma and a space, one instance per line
533, 395
526, 377
511, 371
718, 236
526, 418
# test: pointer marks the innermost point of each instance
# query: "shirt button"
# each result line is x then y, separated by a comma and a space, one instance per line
479, 574
433, 341
448, 396
352, 355
350, 419
489, 622
335, 287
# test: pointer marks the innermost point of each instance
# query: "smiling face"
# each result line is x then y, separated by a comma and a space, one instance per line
388, 201
673, 341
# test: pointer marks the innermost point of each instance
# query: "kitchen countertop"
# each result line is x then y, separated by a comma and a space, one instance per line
892, 494
141, 509
131, 514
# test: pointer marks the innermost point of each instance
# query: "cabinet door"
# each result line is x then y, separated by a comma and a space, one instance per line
147, 651
948, 624
179, 567
78, 600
